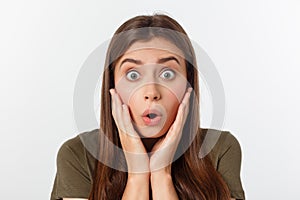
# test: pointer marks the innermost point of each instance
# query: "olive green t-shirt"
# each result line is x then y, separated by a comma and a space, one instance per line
75, 165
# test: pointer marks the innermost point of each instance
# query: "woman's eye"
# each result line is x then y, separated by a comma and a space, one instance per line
168, 74
133, 75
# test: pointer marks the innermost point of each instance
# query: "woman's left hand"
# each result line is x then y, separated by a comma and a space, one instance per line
164, 149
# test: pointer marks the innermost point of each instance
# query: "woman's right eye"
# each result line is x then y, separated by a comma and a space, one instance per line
132, 75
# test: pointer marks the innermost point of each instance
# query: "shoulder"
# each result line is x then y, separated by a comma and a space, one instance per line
71, 147
219, 142
75, 165
72, 144
74, 150
225, 152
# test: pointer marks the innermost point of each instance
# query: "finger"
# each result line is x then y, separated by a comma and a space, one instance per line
176, 126
127, 121
117, 110
182, 112
179, 118
113, 106
186, 97
183, 108
186, 102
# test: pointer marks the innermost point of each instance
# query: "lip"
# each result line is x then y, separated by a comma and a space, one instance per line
154, 111
154, 121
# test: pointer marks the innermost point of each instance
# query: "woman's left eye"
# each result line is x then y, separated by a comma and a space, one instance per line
168, 74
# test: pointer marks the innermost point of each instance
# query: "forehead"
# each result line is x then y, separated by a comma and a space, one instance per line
155, 47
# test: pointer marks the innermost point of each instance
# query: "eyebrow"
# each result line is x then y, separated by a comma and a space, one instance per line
139, 62
163, 60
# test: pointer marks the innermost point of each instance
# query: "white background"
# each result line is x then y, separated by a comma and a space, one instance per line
255, 46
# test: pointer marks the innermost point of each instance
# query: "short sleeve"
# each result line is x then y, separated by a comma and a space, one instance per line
229, 165
72, 179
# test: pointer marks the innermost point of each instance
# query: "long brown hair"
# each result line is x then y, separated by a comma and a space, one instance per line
193, 177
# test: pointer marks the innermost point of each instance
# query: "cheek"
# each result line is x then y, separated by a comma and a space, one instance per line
177, 90
136, 108
124, 95
126, 90
172, 105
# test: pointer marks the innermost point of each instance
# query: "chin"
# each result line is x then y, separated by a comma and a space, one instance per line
151, 132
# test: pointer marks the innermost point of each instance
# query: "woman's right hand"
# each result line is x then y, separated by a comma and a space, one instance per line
135, 153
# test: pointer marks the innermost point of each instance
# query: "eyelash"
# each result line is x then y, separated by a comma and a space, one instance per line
164, 70
170, 70
128, 73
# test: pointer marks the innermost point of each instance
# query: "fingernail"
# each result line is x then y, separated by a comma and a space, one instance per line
190, 89
110, 91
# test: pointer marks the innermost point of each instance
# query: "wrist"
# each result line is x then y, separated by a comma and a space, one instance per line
160, 176
137, 187
165, 172
138, 177
162, 186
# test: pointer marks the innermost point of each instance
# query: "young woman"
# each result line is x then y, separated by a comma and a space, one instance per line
149, 110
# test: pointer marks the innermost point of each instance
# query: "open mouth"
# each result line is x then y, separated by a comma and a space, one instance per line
151, 115
151, 118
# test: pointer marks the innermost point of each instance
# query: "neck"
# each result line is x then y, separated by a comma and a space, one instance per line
149, 143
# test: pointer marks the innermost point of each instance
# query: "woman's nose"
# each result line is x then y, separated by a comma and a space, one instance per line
152, 93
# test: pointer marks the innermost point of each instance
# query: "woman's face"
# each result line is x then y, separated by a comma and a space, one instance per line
151, 79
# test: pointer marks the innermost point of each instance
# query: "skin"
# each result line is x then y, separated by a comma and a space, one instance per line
155, 169
136, 139
164, 149
150, 62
